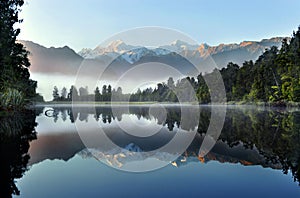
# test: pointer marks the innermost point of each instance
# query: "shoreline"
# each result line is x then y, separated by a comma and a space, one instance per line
230, 103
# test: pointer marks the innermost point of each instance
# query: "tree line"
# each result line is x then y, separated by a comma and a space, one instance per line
273, 77
164, 92
82, 94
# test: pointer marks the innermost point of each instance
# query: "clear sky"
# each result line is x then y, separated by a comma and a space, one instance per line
86, 23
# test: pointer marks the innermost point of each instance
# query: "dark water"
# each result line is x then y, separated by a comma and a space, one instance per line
43, 155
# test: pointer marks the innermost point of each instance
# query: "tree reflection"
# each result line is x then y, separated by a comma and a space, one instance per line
16, 131
106, 115
273, 133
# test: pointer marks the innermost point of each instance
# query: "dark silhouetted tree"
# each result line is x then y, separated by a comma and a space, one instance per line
97, 94
55, 94
14, 61
63, 94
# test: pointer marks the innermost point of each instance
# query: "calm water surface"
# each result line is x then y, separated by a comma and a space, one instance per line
42, 154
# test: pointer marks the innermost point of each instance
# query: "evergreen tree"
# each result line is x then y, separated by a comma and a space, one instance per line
55, 94
108, 93
63, 95
229, 75
202, 90
104, 90
73, 93
14, 61
244, 80
97, 94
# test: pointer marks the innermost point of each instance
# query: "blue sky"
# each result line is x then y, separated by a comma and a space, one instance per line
85, 24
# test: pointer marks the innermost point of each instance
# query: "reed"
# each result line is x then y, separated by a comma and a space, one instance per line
12, 99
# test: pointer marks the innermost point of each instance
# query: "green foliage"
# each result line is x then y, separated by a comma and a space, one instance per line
274, 77
202, 90
14, 61
12, 99
229, 75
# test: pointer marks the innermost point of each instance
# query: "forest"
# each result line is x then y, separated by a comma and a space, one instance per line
274, 78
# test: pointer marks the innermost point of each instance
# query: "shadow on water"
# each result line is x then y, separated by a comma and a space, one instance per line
16, 131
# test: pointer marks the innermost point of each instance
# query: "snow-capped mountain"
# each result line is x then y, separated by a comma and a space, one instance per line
136, 54
179, 46
113, 49
53, 146
121, 51
66, 61
223, 53
118, 157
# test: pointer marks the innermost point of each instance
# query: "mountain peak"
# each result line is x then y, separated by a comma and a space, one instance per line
202, 49
179, 42
245, 43
133, 54
179, 45
204, 46
116, 43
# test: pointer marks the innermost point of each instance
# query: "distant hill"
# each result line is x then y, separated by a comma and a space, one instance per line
52, 60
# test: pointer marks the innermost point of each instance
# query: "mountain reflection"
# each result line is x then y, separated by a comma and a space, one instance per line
16, 131
250, 136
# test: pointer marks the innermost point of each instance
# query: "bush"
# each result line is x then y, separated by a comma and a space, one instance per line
12, 99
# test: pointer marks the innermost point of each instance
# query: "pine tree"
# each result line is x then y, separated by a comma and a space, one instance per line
63, 93
14, 60
55, 94
97, 94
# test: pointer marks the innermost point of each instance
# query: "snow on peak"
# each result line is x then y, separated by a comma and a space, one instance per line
116, 43
118, 46
118, 157
179, 43
87, 53
136, 54
132, 54
179, 46
184, 45
161, 51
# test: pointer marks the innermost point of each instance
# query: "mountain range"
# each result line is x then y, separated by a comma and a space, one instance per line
122, 56
53, 146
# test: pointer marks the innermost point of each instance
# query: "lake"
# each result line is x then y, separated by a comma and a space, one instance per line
150, 151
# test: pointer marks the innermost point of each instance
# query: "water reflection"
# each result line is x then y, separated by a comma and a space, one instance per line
250, 136
275, 133
105, 114
16, 131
